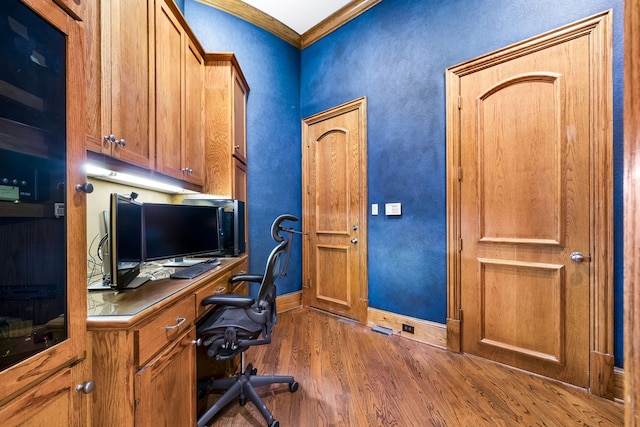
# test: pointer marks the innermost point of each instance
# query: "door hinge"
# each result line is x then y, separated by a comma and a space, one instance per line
308, 189
459, 174
460, 314
459, 102
460, 245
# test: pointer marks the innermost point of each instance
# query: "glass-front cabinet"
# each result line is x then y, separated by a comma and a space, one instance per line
42, 213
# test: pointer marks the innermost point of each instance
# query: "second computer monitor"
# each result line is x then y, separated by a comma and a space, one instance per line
173, 231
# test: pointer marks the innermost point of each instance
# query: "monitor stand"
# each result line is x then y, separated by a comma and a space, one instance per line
182, 262
137, 282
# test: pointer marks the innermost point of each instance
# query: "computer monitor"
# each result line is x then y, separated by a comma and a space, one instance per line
232, 221
103, 246
176, 231
125, 241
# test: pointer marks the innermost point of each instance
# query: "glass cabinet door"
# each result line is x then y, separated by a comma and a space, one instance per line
33, 143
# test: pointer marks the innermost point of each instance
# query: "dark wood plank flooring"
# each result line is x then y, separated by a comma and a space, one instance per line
352, 376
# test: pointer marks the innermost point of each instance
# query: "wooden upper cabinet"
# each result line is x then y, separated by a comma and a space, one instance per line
169, 102
179, 98
194, 148
239, 116
120, 89
225, 126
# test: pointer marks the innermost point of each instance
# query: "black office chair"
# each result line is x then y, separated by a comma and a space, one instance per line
239, 322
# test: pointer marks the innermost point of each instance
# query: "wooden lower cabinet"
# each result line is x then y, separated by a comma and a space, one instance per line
140, 368
54, 402
144, 358
165, 387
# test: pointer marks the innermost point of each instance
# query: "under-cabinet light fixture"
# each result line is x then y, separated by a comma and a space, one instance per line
137, 181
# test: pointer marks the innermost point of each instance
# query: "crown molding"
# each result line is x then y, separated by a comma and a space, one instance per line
256, 17
339, 18
260, 19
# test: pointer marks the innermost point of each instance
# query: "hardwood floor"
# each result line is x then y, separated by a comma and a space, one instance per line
352, 376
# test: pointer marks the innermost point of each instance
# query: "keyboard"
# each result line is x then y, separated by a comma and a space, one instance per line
196, 269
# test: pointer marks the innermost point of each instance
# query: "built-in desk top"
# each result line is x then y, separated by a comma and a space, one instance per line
130, 306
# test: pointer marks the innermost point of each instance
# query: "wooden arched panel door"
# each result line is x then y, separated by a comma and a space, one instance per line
335, 210
529, 179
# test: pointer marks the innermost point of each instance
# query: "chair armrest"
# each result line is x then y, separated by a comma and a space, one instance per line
256, 278
229, 300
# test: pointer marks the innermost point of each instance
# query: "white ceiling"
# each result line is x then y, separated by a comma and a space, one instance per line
299, 15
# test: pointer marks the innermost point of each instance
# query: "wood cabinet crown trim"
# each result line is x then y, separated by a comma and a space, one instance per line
211, 57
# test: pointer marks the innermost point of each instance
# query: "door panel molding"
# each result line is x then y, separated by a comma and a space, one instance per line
497, 317
597, 29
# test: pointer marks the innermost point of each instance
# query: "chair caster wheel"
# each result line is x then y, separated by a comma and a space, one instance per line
274, 423
254, 371
293, 386
242, 401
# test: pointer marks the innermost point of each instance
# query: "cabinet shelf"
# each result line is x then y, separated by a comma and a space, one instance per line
27, 210
22, 138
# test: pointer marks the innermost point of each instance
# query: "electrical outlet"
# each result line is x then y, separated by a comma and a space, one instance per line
407, 328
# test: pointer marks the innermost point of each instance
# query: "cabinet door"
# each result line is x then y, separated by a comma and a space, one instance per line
119, 57
42, 238
239, 118
194, 114
225, 126
131, 69
59, 404
165, 389
169, 100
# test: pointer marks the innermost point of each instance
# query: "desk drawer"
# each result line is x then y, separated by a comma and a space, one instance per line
165, 327
218, 286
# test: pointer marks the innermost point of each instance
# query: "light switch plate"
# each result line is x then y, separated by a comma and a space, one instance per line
393, 209
374, 209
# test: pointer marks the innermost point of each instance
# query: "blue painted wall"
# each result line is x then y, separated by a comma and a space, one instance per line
396, 55
272, 69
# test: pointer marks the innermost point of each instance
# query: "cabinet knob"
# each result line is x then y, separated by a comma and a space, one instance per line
87, 187
237, 147
112, 139
86, 388
197, 342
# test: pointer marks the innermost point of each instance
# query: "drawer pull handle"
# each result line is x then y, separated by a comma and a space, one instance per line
180, 320
220, 290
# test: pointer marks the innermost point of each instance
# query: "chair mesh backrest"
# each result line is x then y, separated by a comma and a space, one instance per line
276, 264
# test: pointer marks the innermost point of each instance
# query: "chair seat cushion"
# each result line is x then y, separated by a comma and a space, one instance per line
225, 317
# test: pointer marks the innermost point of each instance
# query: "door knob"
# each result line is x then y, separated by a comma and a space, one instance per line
577, 257
354, 240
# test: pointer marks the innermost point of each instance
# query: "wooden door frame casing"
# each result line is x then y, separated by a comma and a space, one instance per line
360, 105
599, 29
631, 211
